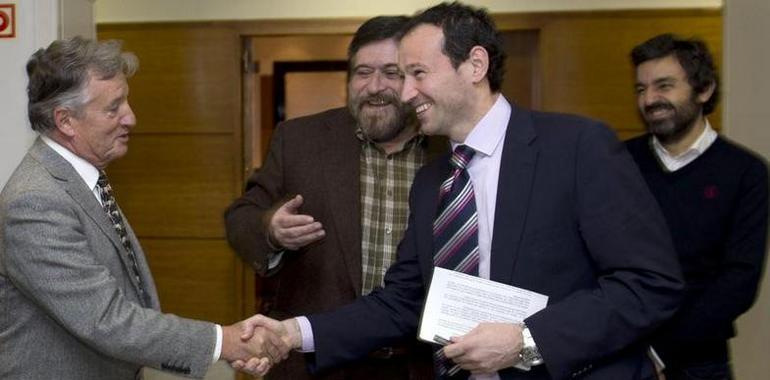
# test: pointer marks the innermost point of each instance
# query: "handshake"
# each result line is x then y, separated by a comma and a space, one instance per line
256, 344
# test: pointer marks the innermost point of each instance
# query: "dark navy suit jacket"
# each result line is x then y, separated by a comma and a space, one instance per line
574, 221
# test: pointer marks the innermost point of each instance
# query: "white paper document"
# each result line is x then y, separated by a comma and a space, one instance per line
458, 302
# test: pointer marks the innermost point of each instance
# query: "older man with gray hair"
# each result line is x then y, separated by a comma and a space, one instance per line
78, 299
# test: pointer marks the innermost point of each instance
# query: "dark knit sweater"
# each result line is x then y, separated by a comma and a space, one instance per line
716, 208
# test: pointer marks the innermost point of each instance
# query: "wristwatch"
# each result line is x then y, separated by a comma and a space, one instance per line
529, 354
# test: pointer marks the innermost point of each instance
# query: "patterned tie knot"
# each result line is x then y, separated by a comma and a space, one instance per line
461, 156
103, 182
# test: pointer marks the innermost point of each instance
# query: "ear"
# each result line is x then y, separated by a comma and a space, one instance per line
479, 60
63, 119
706, 94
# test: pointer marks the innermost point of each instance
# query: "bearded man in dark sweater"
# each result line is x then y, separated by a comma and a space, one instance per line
714, 195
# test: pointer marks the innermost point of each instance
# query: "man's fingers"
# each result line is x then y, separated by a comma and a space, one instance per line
249, 325
263, 367
453, 351
271, 324
284, 220
296, 237
299, 231
292, 205
252, 367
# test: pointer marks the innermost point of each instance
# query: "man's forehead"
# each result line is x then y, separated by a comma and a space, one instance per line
425, 38
423, 45
382, 51
106, 89
661, 67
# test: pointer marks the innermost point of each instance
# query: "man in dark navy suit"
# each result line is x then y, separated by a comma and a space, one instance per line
560, 209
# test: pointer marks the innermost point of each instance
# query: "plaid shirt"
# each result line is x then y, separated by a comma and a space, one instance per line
385, 183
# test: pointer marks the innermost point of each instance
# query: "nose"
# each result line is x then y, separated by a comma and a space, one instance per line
408, 91
129, 119
376, 83
649, 96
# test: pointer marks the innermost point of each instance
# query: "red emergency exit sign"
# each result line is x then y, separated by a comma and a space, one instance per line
7, 20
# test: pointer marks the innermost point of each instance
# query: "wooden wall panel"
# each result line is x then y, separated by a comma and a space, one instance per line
522, 78
183, 166
188, 79
585, 59
195, 278
176, 186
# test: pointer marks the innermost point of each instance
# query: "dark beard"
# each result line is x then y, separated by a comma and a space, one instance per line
379, 127
672, 129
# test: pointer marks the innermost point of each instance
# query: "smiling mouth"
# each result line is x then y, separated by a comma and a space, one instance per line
377, 102
422, 108
659, 113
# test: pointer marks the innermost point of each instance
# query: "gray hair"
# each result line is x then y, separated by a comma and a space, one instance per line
59, 74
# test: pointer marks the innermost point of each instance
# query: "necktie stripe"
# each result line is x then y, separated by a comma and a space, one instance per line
470, 262
453, 209
467, 231
460, 243
446, 186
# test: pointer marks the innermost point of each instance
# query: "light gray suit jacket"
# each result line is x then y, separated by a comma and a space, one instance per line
69, 308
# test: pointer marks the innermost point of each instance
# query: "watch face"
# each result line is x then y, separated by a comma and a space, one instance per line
531, 356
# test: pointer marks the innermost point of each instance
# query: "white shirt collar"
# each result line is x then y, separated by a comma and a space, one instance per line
700, 145
88, 172
489, 132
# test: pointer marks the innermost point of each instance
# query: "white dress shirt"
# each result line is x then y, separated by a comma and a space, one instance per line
674, 163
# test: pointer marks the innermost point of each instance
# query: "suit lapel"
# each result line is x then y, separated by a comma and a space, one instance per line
517, 169
73, 184
342, 166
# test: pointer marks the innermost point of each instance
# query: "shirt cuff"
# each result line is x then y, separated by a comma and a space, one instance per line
306, 330
218, 346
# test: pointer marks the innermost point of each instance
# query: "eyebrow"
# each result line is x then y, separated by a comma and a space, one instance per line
659, 80
115, 102
664, 79
412, 66
385, 66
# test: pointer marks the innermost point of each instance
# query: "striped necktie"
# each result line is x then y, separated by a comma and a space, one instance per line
111, 208
455, 235
455, 229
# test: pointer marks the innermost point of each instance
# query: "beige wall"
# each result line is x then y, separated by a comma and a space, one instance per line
190, 10
746, 115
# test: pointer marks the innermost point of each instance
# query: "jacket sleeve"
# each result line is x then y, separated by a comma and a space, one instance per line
50, 257
247, 218
638, 278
